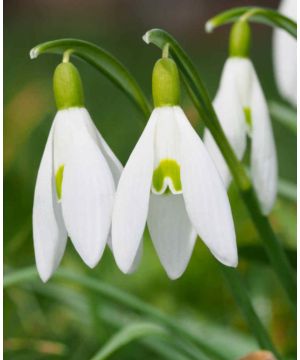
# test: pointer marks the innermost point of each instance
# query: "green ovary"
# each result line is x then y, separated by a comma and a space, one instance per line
170, 169
58, 180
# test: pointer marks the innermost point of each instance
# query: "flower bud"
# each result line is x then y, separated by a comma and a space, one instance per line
67, 86
165, 83
239, 41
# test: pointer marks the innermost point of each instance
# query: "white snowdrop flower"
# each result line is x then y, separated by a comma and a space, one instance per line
242, 109
76, 181
171, 182
285, 55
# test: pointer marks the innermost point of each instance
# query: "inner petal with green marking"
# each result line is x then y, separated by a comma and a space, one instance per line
58, 181
166, 177
248, 118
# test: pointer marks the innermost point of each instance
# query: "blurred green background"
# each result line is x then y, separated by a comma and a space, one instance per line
59, 321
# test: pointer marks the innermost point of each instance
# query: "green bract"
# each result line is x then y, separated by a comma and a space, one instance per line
165, 83
67, 87
239, 41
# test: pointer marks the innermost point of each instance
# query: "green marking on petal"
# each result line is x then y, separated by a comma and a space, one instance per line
167, 169
58, 180
248, 117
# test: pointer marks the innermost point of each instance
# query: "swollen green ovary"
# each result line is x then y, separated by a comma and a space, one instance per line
166, 177
58, 181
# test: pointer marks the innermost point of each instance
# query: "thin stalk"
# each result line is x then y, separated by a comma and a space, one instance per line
119, 296
243, 300
206, 111
261, 15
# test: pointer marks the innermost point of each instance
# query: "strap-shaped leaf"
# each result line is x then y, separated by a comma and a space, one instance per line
103, 61
256, 14
126, 335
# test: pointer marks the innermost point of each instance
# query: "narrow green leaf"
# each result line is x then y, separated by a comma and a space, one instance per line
287, 190
284, 114
256, 253
102, 61
203, 104
256, 14
121, 297
126, 335
242, 298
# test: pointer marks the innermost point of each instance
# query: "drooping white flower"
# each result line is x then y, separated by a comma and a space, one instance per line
285, 55
242, 109
171, 182
76, 181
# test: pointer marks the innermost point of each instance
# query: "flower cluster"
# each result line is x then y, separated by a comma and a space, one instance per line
172, 181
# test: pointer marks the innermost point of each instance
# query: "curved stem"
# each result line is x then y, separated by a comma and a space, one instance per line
102, 61
207, 113
254, 14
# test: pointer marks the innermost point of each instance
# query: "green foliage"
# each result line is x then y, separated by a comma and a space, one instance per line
72, 317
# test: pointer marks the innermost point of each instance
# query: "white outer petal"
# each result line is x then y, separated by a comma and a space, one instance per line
49, 232
263, 151
87, 187
112, 161
285, 55
132, 199
205, 196
137, 258
172, 233
229, 109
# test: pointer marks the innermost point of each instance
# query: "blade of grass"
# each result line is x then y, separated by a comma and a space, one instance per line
284, 114
30, 274
287, 190
256, 253
242, 299
126, 335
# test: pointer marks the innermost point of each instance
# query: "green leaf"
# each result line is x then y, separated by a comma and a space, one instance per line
243, 300
287, 190
257, 254
284, 114
126, 335
28, 274
203, 104
103, 61
256, 14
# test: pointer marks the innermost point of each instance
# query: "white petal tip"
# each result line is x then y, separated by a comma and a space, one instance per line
146, 37
231, 262
125, 266
33, 53
44, 275
266, 210
92, 258
174, 275
91, 261
209, 27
